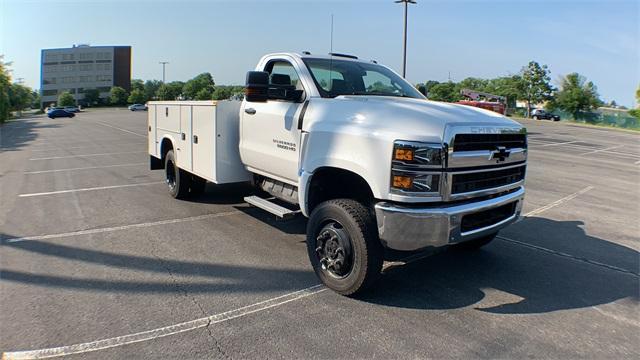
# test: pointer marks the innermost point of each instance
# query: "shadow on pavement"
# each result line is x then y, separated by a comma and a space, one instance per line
535, 281
17, 134
214, 278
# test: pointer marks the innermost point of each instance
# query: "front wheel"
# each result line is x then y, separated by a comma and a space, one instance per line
343, 246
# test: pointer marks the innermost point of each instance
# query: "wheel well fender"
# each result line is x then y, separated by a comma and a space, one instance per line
326, 183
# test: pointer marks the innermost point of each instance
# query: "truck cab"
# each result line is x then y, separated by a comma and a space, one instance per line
379, 170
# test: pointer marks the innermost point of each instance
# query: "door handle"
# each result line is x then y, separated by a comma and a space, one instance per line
250, 111
195, 139
183, 136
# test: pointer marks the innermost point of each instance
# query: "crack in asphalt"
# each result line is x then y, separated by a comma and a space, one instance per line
186, 294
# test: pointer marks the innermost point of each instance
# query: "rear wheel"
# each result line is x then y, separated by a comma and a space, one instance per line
343, 246
176, 178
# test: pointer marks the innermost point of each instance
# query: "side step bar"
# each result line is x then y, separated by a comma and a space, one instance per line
275, 209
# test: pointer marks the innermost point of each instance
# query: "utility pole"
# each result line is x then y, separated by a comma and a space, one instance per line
404, 34
164, 63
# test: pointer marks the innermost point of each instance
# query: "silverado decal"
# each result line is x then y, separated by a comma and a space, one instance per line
284, 145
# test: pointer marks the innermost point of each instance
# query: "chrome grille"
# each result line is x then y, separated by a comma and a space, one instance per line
474, 142
476, 181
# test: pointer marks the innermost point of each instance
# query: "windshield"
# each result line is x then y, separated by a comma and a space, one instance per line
340, 77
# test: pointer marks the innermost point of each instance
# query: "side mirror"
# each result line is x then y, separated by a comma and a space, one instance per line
257, 86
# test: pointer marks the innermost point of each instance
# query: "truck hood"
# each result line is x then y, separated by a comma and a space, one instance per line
408, 118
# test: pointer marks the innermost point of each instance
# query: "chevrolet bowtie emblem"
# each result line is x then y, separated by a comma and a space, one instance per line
500, 154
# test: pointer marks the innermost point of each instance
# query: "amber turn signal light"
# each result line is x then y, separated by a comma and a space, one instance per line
403, 154
402, 182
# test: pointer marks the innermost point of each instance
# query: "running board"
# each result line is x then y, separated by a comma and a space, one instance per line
275, 209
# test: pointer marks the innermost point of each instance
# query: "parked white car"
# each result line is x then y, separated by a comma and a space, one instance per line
138, 107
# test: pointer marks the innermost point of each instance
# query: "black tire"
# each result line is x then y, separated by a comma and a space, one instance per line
535, 117
356, 237
197, 185
476, 244
176, 178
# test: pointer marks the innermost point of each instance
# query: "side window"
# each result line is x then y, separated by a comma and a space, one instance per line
286, 70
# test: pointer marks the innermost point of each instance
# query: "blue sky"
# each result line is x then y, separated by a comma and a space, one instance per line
599, 39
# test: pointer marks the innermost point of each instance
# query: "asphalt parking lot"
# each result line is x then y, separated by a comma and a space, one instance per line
97, 261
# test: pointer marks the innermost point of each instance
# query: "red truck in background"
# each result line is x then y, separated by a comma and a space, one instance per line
483, 100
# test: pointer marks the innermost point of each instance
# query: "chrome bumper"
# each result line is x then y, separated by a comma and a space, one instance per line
407, 229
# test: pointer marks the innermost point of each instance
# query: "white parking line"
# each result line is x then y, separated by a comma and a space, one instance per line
558, 202
81, 168
559, 253
89, 189
553, 143
121, 129
85, 155
90, 147
167, 330
122, 227
600, 150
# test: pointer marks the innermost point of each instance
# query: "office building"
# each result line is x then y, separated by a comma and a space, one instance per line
83, 67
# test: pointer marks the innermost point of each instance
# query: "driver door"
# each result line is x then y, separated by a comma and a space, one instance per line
270, 139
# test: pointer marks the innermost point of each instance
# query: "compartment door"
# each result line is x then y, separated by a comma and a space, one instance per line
152, 136
203, 119
185, 140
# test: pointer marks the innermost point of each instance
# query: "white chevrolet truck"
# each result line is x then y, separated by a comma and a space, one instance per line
379, 170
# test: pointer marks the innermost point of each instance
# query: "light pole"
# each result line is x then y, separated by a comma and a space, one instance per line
404, 49
164, 63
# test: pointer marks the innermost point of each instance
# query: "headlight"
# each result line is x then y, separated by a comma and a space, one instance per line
417, 168
415, 154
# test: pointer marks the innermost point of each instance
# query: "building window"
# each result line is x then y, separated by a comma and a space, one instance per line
49, 81
103, 78
50, 69
50, 57
67, 57
85, 56
49, 92
103, 56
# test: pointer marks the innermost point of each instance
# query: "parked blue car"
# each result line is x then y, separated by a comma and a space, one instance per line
56, 113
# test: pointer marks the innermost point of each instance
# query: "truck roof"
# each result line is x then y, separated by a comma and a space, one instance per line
308, 55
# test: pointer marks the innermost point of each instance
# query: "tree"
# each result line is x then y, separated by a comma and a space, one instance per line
136, 97
137, 84
170, 91
35, 99
66, 99
91, 96
151, 88
118, 96
20, 97
576, 95
444, 92
508, 86
5, 84
536, 86
197, 84
203, 94
222, 93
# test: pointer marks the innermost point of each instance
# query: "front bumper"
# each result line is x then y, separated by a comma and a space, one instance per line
409, 228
